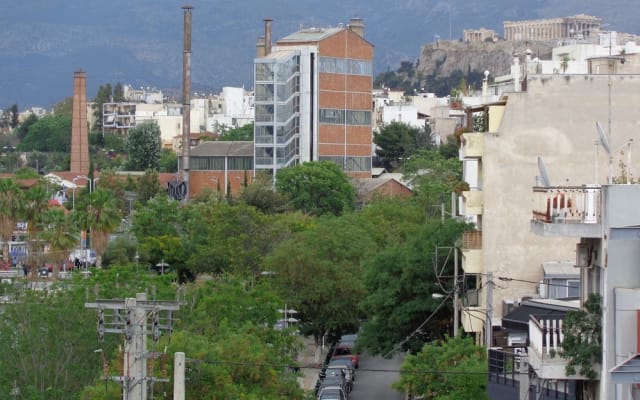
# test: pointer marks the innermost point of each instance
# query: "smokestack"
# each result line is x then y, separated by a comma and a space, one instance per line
186, 99
79, 135
267, 36
357, 26
260, 50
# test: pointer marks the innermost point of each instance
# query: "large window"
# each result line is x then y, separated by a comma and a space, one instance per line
207, 163
239, 163
350, 163
264, 72
353, 117
331, 65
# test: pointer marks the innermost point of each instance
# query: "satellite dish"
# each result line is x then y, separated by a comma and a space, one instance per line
544, 176
603, 138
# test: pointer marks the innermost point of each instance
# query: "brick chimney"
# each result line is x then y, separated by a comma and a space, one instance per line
267, 36
260, 48
79, 128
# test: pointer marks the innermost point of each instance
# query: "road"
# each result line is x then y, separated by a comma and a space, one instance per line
374, 379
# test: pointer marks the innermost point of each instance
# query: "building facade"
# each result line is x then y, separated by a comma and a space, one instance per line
313, 99
480, 35
577, 26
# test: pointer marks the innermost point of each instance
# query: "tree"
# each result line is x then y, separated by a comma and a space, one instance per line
48, 134
399, 141
104, 95
243, 133
148, 186
316, 188
168, 161
261, 195
118, 93
13, 116
400, 281
448, 369
60, 234
64, 107
23, 127
143, 146
318, 272
10, 213
35, 205
100, 216
582, 345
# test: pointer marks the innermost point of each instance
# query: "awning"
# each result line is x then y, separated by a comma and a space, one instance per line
519, 318
628, 371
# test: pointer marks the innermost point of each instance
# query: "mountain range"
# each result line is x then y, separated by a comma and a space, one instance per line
42, 42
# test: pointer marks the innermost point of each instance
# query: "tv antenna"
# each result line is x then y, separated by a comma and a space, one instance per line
604, 142
544, 176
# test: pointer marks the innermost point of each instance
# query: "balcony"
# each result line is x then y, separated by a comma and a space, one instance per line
472, 202
472, 252
472, 145
569, 211
545, 344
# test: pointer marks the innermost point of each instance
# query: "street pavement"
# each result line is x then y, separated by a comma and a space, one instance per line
373, 379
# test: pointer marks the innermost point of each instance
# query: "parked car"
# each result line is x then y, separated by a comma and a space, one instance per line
343, 362
332, 393
343, 372
346, 349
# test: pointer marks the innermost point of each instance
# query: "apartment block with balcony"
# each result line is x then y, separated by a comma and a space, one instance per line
603, 222
313, 99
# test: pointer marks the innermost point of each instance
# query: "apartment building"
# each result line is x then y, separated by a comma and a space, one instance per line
554, 118
313, 99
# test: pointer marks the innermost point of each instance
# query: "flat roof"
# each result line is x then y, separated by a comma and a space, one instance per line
223, 148
310, 35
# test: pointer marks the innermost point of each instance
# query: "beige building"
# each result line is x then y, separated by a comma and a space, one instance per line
577, 26
553, 118
479, 35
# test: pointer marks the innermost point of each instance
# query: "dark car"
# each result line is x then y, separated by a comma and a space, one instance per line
343, 362
332, 393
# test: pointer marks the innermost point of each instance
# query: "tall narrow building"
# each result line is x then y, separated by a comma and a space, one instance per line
313, 99
79, 128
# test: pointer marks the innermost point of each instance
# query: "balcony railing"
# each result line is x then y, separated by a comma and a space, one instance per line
545, 336
472, 240
567, 204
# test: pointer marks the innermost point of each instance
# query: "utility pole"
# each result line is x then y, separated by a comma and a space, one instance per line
488, 324
456, 317
135, 318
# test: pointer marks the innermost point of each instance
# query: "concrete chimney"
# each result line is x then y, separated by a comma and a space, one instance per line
267, 36
357, 26
79, 128
260, 50
186, 99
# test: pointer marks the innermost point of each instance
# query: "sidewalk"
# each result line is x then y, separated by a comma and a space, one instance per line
310, 360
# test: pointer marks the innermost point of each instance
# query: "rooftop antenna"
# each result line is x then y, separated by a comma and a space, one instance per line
544, 176
604, 142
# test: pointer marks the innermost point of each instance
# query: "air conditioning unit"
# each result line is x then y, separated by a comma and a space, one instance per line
583, 255
542, 290
507, 307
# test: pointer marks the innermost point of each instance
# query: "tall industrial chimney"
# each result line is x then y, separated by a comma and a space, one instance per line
79, 135
186, 99
267, 36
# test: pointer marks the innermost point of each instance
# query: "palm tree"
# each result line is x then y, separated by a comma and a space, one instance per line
61, 235
10, 213
35, 205
99, 214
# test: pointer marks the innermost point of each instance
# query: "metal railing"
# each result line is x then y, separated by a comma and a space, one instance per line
567, 204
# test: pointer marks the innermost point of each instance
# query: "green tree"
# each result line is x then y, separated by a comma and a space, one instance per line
104, 95
98, 213
400, 281
243, 133
13, 116
49, 133
434, 177
10, 213
398, 141
261, 195
148, 186
23, 127
143, 146
35, 205
168, 161
118, 93
64, 107
582, 345
60, 234
448, 369
318, 272
316, 188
